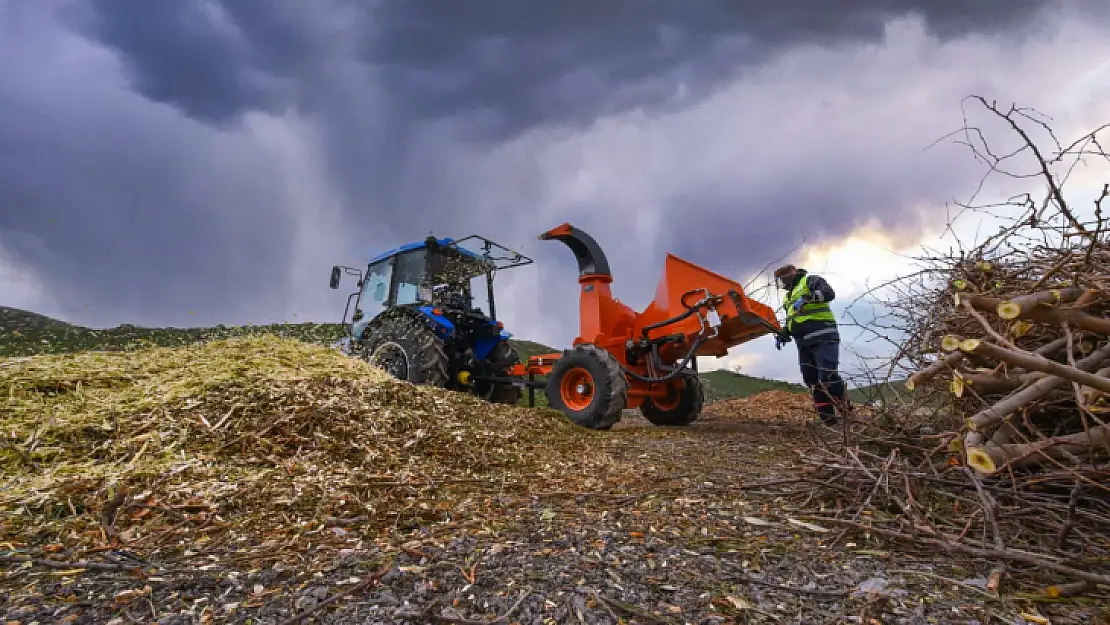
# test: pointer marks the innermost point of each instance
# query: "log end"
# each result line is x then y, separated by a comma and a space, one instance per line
910, 385
957, 386
1009, 310
950, 343
980, 460
1020, 328
969, 345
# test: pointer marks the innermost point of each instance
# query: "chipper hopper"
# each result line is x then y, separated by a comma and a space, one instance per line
647, 360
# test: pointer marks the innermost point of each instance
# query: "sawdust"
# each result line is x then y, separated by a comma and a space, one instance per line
771, 406
765, 406
256, 441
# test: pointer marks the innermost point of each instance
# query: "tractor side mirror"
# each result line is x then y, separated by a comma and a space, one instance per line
336, 275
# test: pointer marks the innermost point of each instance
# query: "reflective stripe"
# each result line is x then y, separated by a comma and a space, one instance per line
819, 333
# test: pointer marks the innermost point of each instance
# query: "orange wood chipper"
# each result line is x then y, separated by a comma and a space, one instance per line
647, 360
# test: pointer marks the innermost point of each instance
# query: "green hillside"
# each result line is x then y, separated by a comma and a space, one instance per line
24, 333
723, 384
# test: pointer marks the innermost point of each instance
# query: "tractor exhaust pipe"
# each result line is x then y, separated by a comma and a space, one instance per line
591, 258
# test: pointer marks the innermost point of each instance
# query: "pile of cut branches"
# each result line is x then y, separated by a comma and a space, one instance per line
1002, 450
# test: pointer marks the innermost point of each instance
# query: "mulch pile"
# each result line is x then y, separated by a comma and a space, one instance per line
256, 443
263, 480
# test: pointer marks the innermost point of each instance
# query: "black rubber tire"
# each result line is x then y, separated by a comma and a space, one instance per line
505, 356
610, 387
691, 399
425, 362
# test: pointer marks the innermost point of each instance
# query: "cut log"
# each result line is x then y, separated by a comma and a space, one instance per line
1091, 395
1012, 309
948, 362
1034, 362
996, 383
1046, 384
989, 458
1076, 317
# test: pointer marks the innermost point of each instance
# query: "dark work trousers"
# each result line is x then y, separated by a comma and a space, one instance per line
819, 363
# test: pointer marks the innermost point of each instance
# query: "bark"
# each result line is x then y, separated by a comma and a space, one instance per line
1078, 318
991, 457
995, 383
1013, 308
993, 414
1035, 363
948, 362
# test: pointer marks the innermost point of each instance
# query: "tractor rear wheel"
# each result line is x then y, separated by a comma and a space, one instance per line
588, 386
407, 349
504, 356
682, 406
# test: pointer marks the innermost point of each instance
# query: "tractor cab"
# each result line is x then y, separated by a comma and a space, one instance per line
437, 286
454, 276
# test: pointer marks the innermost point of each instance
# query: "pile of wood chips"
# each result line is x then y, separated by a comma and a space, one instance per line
770, 405
260, 446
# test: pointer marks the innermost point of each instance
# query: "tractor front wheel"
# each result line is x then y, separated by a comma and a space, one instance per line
407, 349
682, 406
588, 386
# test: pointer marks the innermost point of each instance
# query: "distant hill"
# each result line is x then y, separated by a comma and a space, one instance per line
25, 333
724, 384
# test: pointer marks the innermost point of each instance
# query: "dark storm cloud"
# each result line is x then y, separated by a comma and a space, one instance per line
375, 75
120, 207
519, 61
164, 201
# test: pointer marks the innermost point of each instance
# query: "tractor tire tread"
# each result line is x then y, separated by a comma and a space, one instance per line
690, 404
424, 345
506, 355
613, 382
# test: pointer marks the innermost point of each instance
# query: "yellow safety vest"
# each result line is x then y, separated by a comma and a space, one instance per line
809, 311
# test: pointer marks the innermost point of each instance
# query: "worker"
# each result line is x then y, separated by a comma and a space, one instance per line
811, 324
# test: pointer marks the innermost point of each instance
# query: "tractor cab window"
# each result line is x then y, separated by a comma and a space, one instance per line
410, 269
375, 289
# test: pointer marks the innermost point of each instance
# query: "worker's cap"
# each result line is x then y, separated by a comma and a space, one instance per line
785, 270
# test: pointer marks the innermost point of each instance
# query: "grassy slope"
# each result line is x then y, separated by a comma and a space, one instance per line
24, 333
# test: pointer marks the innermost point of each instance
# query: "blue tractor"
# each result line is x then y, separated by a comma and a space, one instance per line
424, 312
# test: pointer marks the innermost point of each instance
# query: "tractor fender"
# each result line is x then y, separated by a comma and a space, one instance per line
484, 347
439, 324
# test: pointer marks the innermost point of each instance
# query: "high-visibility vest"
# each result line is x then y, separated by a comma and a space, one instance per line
809, 311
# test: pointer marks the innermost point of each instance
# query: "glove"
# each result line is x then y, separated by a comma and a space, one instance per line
798, 303
781, 339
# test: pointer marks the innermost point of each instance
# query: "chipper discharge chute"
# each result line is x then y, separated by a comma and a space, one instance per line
647, 360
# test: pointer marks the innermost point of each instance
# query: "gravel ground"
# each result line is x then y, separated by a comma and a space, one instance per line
682, 537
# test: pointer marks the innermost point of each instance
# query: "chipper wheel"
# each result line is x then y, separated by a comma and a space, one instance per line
588, 386
505, 356
681, 407
407, 349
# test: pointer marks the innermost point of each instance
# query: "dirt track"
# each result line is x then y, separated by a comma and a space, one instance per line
698, 526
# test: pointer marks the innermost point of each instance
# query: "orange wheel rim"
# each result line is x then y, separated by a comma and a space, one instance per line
670, 400
577, 389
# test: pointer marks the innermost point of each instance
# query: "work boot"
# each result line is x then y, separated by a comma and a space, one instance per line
827, 413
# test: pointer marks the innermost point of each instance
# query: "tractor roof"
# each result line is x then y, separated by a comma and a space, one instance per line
418, 245
491, 254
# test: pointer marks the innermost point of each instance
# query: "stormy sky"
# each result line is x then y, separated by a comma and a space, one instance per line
203, 161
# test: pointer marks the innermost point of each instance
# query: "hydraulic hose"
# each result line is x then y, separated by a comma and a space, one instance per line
671, 375
690, 310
